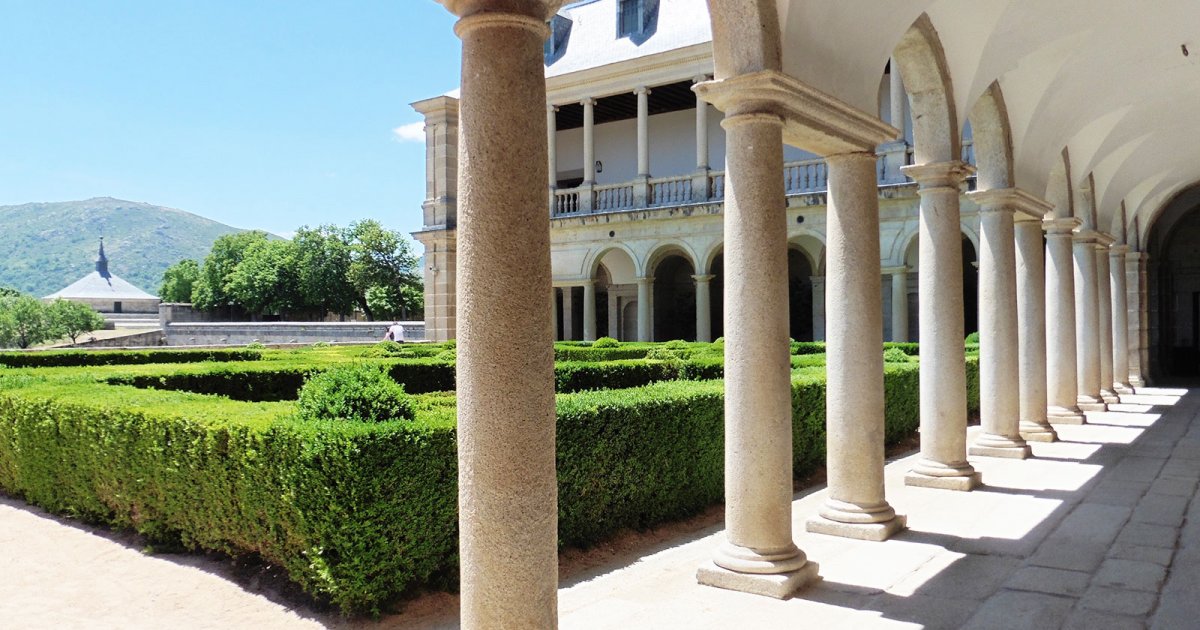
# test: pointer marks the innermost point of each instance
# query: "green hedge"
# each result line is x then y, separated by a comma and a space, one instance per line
81, 358
361, 513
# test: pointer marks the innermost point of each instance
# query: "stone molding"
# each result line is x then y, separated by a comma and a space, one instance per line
1104, 240
1061, 225
938, 175
1083, 234
1118, 250
813, 120
1023, 204
540, 10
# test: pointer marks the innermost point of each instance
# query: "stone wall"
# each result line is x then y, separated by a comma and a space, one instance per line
241, 333
141, 339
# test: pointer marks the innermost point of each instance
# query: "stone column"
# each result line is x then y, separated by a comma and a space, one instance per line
1087, 322
700, 178
856, 506
589, 310
1120, 322
703, 307
552, 146
1031, 326
758, 393
614, 314
898, 98
999, 371
568, 310
508, 541
554, 313
1134, 264
900, 304
587, 200
943, 462
1062, 388
641, 185
818, 288
645, 305
1104, 304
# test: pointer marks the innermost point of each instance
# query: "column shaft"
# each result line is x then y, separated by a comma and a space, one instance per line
703, 307
552, 145
568, 310
508, 542
1104, 298
896, 85
1120, 311
1062, 388
999, 377
758, 395
900, 306
589, 144
701, 133
943, 462
1031, 333
818, 288
645, 316
589, 310
1087, 324
643, 131
856, 506
614, 315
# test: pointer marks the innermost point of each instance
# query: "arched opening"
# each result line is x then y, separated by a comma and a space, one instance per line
1174, 248
674, 299
616, 292
970, 271
800, 296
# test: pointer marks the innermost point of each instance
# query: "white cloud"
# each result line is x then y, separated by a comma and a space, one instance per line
412, 132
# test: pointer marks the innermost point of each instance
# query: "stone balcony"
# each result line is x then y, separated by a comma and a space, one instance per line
804, 177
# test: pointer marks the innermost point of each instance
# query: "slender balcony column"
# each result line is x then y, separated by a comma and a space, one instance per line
1087, 322
508, 513
1120, 319
589, 310
552, 150
703, 307
758, 549
999, 369
943, 463
1062, 386
700, 177
899, 303
1031, 324
645, 309
1105, 328
614, 315
587, 201
856, 506
641, 185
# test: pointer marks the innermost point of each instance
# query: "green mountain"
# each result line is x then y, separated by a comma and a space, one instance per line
50, 245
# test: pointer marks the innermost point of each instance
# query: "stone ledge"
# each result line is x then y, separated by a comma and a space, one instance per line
779, 585
875, 532
960, 483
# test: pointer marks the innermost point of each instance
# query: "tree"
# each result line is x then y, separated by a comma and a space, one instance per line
71, 319
380, 258
210, 290
324, 258
387, 303
26, 321
266, 280
178, 281
9, 292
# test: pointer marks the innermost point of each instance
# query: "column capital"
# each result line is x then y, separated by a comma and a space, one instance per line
587, 101
551, 108
1061, 225
813, 120
703, 278
1025, 205
591, 282
938, 175
645, 279
891, 271
1082, 234
641, 89
701, 78
1104, 240
1117, 251
540, 10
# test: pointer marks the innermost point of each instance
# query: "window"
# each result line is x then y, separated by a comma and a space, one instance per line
556, 44
630, 15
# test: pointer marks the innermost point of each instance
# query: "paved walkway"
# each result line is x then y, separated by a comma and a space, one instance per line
1098, 531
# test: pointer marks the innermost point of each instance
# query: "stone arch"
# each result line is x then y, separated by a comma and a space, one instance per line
970, 258
991, 136
668, 248
813, 247
595, 258
926, 77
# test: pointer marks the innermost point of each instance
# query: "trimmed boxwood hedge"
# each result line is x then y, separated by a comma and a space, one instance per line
80, 358
361, 513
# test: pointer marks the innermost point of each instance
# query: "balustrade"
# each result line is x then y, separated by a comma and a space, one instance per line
666, 191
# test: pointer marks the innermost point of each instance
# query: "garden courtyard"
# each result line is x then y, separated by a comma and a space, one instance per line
292, 521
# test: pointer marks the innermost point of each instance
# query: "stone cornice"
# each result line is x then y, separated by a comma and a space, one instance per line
1084, 234
1061, 225
1025, 205
443, 106
812, 120
936, 175
1104, 240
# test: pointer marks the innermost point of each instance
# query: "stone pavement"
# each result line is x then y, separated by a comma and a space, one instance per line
1100, 530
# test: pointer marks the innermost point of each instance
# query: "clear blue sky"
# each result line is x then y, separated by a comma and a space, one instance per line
263, 114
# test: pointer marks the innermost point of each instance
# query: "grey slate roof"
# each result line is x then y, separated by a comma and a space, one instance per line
96, 286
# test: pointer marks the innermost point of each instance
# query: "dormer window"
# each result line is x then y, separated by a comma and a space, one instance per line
631, 17
556, 44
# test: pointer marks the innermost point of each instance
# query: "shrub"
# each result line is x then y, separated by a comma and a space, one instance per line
78, 358
448, 355
255, 345
663, 353
808, 347
676, 344
356, 392
973, 338
606, 342
895, 355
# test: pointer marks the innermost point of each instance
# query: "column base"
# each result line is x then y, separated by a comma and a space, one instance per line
931, 474
1109, 397
1087, 402
1136, 382
778, 585
1000, 446
1122, 389
1065, 415
874, 532
1038, 432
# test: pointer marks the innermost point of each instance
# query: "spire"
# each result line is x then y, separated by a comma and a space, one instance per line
102, 261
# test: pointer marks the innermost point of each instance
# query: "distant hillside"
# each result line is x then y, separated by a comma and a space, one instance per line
47, 246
